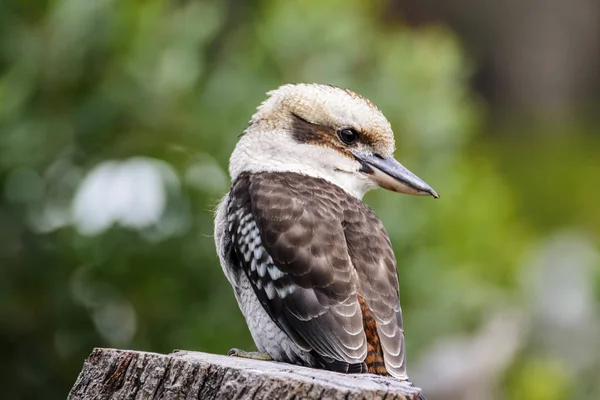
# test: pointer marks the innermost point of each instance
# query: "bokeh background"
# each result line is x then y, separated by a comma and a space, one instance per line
117, 119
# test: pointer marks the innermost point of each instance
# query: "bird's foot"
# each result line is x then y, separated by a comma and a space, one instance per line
254, 355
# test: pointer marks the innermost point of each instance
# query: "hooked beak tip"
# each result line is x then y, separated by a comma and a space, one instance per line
426, 190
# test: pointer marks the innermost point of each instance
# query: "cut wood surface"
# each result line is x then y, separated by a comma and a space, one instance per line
128, 374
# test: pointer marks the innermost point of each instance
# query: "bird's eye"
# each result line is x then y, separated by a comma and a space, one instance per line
348, 135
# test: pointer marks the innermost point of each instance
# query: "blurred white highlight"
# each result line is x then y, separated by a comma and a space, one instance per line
132, 193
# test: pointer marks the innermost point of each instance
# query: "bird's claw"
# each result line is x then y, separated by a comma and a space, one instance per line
254, 355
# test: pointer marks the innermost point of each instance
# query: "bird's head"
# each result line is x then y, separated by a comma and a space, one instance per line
326, 132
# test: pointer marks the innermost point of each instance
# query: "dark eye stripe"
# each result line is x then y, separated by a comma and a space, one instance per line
304, 131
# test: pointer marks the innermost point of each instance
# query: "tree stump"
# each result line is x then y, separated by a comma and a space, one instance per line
127, 374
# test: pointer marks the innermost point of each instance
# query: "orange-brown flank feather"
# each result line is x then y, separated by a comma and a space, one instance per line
374, 360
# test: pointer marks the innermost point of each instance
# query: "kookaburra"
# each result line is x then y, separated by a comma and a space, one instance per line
312, 267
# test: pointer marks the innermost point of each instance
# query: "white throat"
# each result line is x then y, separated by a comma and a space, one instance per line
277, 151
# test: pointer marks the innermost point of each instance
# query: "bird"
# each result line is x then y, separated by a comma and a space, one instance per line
312, 266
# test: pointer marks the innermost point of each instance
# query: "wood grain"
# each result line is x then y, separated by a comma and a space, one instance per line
127, 374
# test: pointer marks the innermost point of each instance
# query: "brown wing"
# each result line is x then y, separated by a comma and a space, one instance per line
373, 258
288, 234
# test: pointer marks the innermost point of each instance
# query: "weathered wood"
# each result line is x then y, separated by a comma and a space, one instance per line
126, 374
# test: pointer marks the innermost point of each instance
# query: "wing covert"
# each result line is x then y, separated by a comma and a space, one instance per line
291, 245
373, 258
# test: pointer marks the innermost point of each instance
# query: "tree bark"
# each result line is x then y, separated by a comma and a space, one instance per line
128, 374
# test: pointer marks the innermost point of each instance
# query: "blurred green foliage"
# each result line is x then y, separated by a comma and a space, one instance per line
87, 82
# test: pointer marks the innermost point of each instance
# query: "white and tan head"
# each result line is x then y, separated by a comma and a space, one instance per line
325, 132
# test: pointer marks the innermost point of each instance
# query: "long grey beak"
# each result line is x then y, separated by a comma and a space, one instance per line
390, 174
